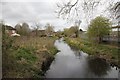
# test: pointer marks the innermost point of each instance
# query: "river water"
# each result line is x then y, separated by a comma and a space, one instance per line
70, 63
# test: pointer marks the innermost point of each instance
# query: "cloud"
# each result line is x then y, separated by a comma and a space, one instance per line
30, 12
42, 11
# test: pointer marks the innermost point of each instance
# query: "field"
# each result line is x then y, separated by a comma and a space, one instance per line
27, 57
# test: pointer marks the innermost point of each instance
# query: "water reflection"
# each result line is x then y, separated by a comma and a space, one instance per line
77, 53
98, 66
71, 63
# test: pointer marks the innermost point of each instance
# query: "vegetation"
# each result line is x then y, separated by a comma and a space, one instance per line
49, 29
98, 28
29, 54
73, 11
59, 34
108, 52
23, 29
37, 27
71, 32
25, 59
24, 56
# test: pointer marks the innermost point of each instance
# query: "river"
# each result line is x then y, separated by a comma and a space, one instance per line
71, 63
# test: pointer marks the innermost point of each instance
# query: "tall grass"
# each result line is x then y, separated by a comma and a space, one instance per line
24, 58
38, 43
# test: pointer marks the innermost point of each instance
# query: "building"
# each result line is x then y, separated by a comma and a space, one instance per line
116, 8
10, 31
40, 33
115, 33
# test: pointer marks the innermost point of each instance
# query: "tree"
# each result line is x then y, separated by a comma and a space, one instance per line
72, 9
18, 27
37, 27
25, 28
22, 29
98, 28
114, 10
71, 31
74, 30
66, 32
49, 29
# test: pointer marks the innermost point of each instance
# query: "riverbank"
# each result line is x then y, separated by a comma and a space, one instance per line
107, 52
28, 57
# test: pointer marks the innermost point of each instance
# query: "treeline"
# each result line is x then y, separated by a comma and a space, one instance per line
99, 28
37, 31
24, 29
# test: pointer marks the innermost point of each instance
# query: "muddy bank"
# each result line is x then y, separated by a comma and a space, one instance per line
45, 60
109, 59
46, 63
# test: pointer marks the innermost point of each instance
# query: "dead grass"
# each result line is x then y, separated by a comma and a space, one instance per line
24, 59
39, 43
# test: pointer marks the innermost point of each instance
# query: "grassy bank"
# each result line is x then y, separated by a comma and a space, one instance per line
108, 52
28, 57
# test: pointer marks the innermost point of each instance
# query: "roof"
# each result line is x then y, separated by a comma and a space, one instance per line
116, 27
15, 34
39, 31
9, 27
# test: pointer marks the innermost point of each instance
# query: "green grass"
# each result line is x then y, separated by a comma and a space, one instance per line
24, 58
107, 51
27, 54
53, 50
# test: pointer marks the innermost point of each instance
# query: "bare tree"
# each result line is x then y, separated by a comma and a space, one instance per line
37, 27
115, 12
73, 9
49, 29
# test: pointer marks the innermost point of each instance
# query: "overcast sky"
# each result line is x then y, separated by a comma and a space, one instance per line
31, 11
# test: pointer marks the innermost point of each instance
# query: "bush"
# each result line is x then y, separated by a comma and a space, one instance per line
26, 54
53, 50
98, 28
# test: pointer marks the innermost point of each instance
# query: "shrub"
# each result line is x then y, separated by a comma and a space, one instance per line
53, 50
27, 54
